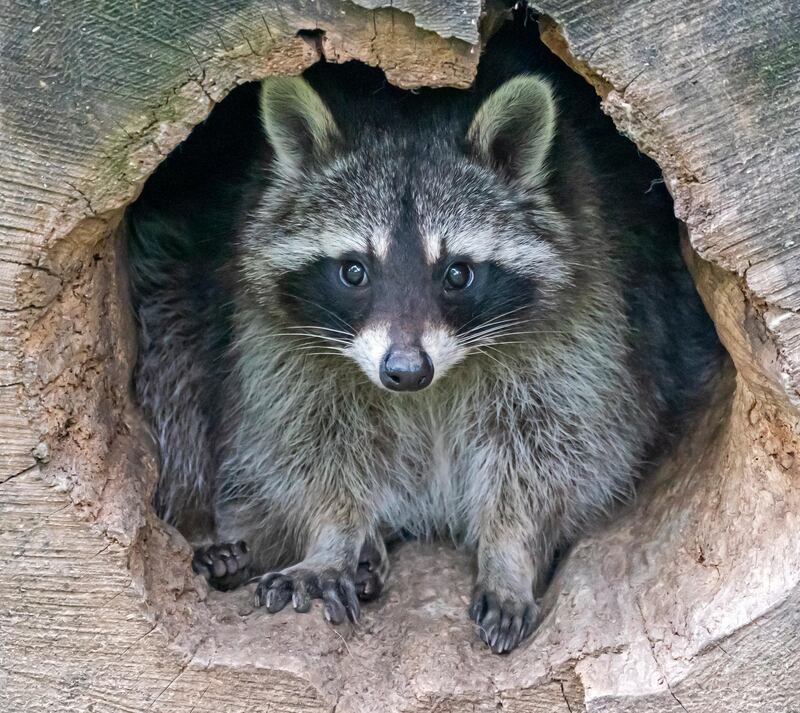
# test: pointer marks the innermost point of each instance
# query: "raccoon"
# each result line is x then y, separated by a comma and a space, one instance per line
439, 321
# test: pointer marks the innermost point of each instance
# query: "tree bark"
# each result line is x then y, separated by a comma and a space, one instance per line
688, 601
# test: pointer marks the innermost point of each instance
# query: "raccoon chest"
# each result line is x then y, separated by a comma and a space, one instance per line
427, 491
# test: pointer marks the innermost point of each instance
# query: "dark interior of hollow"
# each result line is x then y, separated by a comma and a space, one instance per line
205, 182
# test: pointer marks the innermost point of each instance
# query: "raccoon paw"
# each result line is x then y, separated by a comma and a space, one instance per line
224, 566
503, 621
373, 569
300, 585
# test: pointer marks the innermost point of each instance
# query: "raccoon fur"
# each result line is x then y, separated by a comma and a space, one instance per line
439, 318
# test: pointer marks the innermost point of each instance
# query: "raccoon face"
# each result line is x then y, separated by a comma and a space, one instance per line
406, 251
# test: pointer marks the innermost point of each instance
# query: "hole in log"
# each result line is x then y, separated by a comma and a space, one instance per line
181, 253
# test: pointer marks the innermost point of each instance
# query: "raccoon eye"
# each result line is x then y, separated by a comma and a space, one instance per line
458, 276
352, 273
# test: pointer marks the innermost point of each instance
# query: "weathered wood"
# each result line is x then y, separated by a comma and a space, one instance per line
687, 602
711, 92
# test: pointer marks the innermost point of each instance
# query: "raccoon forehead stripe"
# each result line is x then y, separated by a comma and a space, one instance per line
379, 243
524, 255
431, 246
532, 259
292, 252
335, 243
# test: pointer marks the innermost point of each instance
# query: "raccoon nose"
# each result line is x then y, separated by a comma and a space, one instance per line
406, 370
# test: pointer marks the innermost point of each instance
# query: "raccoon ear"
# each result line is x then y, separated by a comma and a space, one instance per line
297, 123
513, 130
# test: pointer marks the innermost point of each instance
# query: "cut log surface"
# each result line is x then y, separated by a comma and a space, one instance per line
687, 601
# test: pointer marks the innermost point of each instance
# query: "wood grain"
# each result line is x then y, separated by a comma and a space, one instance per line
711, 92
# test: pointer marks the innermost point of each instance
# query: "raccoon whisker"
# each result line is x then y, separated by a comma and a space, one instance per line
315, 326
494, 348
502, 344
495, 324
324, 309
506, 333
298, 338
344, 338
320, 337
529, 332
480, 350
508, 362
294, 342
519, 308
504, 318
305, 354
504, 324
305, 348
300, 350
331, 348
559, 332
322, 354
303, 334
493, 320
495, 343
494, 333
312, 345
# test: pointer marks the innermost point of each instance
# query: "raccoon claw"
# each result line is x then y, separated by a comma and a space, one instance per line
337, 591
341, 600
373, 568
224, 566
368, 582
502, 624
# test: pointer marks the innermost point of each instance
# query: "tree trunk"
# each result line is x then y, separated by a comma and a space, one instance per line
687, 602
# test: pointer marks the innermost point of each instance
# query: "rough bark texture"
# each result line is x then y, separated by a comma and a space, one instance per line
687, 602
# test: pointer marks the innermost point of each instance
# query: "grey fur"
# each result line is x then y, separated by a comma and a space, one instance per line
179, 342
535, 426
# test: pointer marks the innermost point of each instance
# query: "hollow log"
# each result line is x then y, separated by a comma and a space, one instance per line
687, 601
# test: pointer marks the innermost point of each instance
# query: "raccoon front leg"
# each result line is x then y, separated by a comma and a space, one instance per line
327, 572
512, 555
503, 605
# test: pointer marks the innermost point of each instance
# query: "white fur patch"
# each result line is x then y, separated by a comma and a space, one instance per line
443, 349
296, 251
368, 350
519, 254
431, 246
334, 243
380, 241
